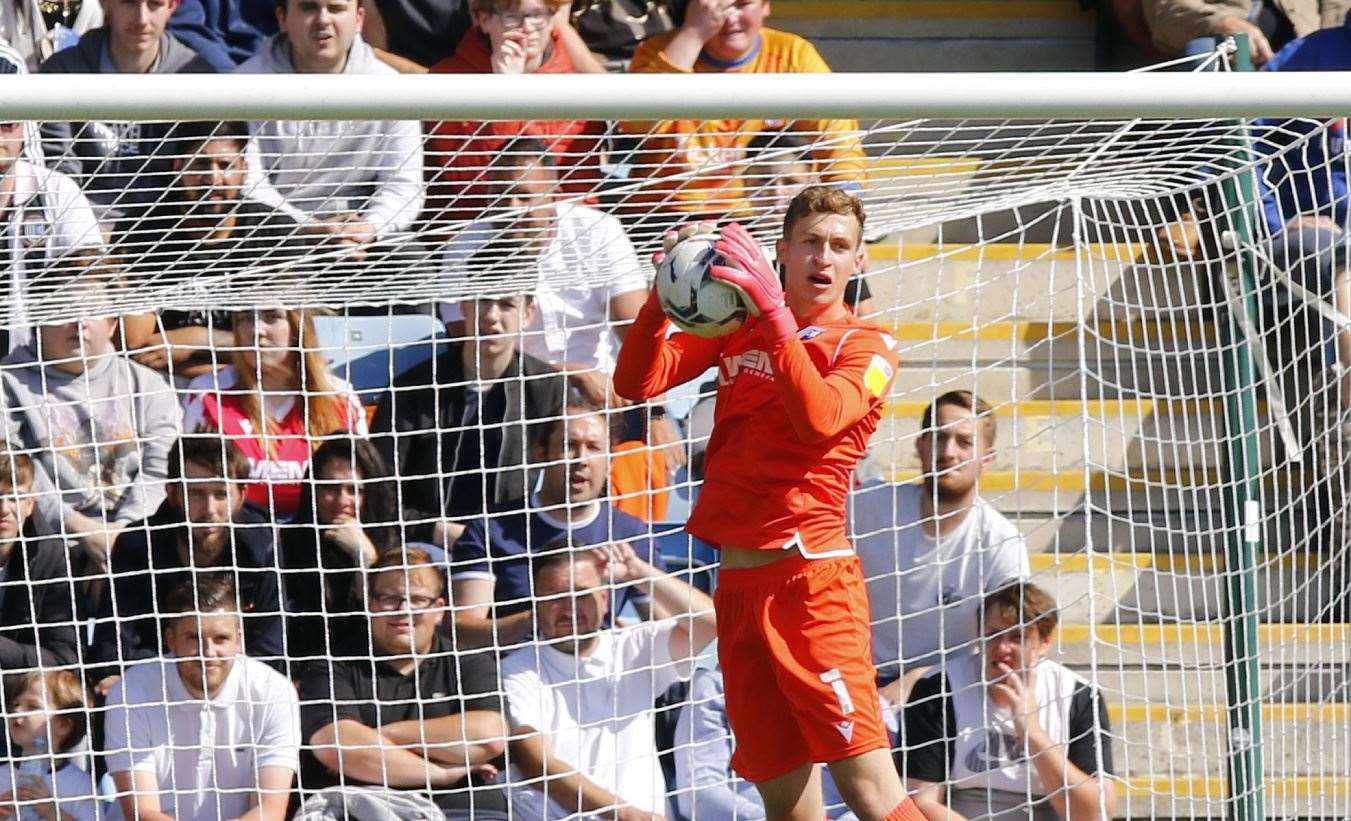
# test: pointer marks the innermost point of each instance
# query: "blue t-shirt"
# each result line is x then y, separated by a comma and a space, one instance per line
498, 547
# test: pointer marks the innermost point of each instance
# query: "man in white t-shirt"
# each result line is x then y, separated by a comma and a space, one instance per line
581, 700
931, 549
207, 733
575, 327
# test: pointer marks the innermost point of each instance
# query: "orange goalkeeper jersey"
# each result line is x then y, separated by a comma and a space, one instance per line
789, 426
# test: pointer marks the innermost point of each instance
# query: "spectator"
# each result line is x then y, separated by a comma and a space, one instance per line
424, 32
490, 563
422, 717
931, 550
202, 525
581, 700
456, 428
36, 626
121, 165
206, 733
706, 786
1008, 733
203, 231
37, 30
1194, 28
275, 401
725, 36
612, 29
350, 182
43, 217
347, 518
508, 37
224, 32
575, 328
48, 722
97, 425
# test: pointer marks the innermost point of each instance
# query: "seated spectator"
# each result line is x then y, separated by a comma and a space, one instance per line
43, 218
207, 732
202, 525
37, 629
1007, 733
422, 717
202, 230
612, 29
490, 563
508, 37
348, 182
469, 408
931, 550
423, 32
120, 165
1194, 28
37, 30
581, 700
224, 32
97, 425
727, 37
347, 518
276, 400
48, 722
705, 784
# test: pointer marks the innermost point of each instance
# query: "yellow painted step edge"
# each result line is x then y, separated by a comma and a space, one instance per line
1039, 331
1202, 787
1269, 635
1175, 714
1074, 481
1127, 562
1001, 252
1075, 408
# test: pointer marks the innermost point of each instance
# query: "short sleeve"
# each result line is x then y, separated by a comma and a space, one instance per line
327, 696
1086, 736
925, 751
526, 695
1008, 556
623, 273
469, 554
479, 687
279, 742
647, 646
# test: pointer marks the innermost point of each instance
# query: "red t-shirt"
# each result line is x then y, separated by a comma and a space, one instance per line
789, 426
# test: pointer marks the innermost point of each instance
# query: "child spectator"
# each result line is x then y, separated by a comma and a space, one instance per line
726, 36
351, 182
347, 518
97, 425
275, 401
48, 719
508, 37
120, 165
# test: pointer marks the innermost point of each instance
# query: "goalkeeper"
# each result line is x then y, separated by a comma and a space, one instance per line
800, 391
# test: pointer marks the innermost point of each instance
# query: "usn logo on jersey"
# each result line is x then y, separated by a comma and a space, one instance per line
755, 363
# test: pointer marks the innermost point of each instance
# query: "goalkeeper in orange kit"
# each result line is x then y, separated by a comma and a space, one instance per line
800, 390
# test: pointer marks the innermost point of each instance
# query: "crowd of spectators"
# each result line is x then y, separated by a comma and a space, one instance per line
227, 592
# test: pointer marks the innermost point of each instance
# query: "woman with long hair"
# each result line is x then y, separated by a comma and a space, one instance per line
276, 401
346, 518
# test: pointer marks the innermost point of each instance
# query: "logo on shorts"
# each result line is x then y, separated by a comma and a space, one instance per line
846, 729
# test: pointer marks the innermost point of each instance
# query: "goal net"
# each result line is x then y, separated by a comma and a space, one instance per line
314, 354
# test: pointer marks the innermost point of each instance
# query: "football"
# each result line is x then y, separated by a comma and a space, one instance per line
695, 301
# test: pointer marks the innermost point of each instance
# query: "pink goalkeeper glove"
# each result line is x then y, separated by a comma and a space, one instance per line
750, 273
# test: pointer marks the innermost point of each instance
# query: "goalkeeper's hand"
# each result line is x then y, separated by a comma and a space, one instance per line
758, 282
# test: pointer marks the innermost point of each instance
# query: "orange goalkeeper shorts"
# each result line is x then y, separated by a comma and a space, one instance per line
795, 648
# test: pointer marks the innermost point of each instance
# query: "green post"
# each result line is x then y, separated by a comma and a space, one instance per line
1243, 500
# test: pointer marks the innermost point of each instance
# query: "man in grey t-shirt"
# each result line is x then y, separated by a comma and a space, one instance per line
931, 549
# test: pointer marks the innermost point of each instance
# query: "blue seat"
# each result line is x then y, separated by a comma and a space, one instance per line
371, 351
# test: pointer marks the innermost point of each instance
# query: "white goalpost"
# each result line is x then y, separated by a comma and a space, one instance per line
1144, 275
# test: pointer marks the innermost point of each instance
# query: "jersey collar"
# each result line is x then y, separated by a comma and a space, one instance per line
731, 65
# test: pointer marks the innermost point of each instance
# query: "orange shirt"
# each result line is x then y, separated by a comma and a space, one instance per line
789, 426
706, 147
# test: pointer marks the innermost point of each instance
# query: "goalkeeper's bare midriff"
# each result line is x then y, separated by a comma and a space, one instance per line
741, 558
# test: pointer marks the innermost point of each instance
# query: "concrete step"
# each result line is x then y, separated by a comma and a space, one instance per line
1278, 684
1203, 797
1196, 644
1191, 740
1066, 435
1105, 345
1009, 378
930, 35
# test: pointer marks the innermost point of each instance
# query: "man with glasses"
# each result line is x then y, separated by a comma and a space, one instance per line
416, 717
43, 216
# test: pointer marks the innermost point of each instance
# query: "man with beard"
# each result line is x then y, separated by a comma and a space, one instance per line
206, 732
203, 524
204, 230
932, 549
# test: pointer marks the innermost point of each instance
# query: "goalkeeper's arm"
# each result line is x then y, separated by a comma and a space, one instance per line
651, 362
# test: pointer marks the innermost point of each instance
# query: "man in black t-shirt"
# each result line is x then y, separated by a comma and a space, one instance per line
1007, 733
417, 716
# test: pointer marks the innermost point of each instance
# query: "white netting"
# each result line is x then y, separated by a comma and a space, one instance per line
1098, 282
